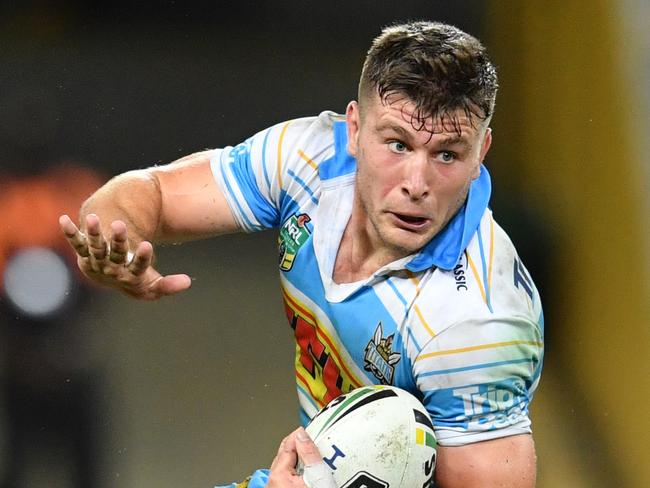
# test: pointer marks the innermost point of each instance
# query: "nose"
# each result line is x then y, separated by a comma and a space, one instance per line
415, 182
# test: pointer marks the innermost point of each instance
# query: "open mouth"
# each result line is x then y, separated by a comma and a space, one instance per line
410, 221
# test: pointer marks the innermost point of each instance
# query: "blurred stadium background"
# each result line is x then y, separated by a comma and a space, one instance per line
197, 389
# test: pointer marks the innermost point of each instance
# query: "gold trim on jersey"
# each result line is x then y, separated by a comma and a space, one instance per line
307, 159
479, 347
280, 141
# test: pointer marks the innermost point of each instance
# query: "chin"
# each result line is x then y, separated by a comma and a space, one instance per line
409, 244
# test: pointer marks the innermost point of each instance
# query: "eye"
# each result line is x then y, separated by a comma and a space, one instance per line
397, 147
447, 156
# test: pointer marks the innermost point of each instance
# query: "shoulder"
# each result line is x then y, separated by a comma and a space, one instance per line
498, 271
315, 129
488, 280
298, 144
482, 337
487, 298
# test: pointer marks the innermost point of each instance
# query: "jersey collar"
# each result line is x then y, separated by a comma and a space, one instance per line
444, 250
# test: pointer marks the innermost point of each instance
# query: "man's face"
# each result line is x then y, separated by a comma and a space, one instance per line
410, 182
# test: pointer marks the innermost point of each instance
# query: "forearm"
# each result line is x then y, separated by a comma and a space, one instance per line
133, 198
172, 203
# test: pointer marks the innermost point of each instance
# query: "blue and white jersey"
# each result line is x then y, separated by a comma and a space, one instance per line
459, 324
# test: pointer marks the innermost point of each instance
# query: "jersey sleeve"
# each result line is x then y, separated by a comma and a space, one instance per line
478, 378
271, 174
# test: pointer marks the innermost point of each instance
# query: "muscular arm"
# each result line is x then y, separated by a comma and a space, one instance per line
119, 222
508, 462
176, 202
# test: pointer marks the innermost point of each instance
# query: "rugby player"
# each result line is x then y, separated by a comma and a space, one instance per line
392, 267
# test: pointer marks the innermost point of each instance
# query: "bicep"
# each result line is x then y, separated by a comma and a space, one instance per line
193, 205
507, 462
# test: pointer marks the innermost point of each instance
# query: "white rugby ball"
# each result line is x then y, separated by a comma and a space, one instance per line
376, 437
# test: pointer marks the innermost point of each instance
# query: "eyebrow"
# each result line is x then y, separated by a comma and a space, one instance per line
395, 128
447, 141
454, 141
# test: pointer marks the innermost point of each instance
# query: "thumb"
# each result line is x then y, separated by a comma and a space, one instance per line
316, 473
307, 450
172, 284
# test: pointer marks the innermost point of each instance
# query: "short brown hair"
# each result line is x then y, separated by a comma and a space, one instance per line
437, 66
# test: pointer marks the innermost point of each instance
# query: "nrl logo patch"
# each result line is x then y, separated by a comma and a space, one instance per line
293, 234
380, 360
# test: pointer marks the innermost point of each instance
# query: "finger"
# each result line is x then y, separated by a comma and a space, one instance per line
315, 472
142, 258
287, 456
172, 284
119, 247
96, 242
159, 287
318, 476
74, 236
306, 449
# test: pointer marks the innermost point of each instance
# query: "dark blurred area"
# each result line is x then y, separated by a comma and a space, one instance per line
198, 389
51, 383
122, 85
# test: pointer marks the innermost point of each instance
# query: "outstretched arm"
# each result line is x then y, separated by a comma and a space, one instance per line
121, 220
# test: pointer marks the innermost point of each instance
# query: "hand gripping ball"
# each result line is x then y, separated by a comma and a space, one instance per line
376, 437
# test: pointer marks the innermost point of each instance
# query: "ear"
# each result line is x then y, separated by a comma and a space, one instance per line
352, 118
485, 147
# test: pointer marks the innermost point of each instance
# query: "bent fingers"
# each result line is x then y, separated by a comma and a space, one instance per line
74, 236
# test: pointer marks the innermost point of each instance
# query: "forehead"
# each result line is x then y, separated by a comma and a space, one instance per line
398, 111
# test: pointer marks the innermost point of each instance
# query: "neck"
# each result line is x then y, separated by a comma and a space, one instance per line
360, 252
